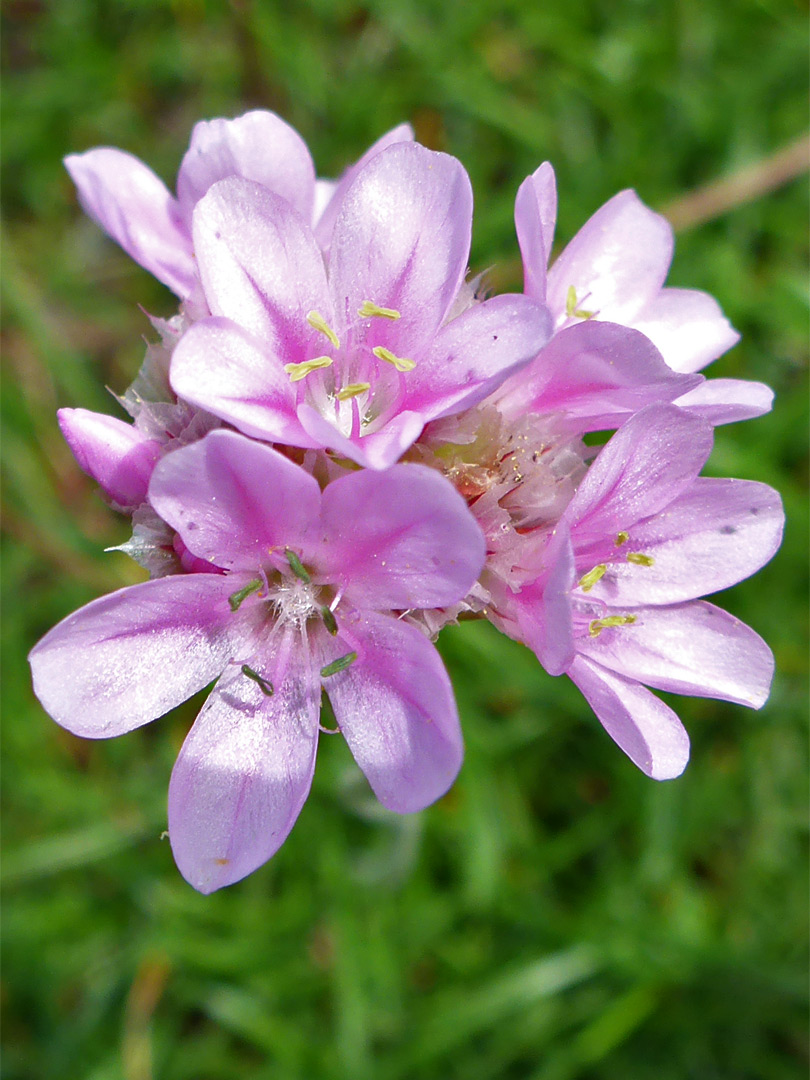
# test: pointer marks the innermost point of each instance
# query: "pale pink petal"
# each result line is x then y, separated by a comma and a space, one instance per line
232, 499
131, 656
137, 210
378, 450
472, 355
245, 770
725, 401
649, 462
227, 371
616, 263
118, 456
260, 265
332, 197
400, 539
693, 648
401, 240
542, 609
644, 727
535, 219
395, 707
688, 327
716, 533
257, 146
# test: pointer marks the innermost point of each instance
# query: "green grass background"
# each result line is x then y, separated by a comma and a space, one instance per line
557, 915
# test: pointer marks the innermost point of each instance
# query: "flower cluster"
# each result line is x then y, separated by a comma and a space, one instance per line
339, 445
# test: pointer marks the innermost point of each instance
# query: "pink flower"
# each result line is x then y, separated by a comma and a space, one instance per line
614, 271
304, 595
359, 358
615, 605
138, 211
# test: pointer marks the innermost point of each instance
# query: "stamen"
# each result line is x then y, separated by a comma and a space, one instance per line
571, 309
265, 686
369, 309
236, 598
329, 620
621, 538
401, 363
297, 372
318, 322
587, 582
598, 625
352, 390
340, 664
639, 559
297, 566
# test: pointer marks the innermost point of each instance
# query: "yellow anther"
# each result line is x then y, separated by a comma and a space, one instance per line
598, 625
587, 582
621, 538
571, 309
318, 322
639, 559
369, 309
401, 363
300, 371
352, 390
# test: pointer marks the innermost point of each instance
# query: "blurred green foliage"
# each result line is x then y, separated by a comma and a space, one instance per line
557, 915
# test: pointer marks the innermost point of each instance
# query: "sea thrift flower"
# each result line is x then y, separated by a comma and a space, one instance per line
614, 270
302, 594
615, 604
359, 358
138, 211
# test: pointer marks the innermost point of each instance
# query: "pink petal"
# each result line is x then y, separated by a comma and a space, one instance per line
401, 240
716, 533
325, 220
378, 450
725, 401
644, 727
260, 266
535, 218
693, 648
396, 710
231, 499
688, 327
137, 210
245, 770
649, 462
227, 371
400, 539
257, 146
131, 656
473, 354
118, 456
616, 263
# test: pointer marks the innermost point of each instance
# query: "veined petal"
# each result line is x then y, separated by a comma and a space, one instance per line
245, 769
649, 462
395, 707
137, 210
716, 533
131, 656
378, 450
693, 648
227, 371
260, 265
400, 539
401, 240
231, 499
473, 354
688, 327
257, 146
535, 219
616, 263
725, 401
117, 455
325, 219
644, 727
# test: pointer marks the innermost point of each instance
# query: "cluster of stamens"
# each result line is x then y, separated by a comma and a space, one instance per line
587, 582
